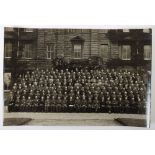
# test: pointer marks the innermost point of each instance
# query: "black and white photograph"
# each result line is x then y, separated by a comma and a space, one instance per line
77, 76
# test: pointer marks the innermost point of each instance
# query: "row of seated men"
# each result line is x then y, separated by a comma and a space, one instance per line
94, 91
77, 104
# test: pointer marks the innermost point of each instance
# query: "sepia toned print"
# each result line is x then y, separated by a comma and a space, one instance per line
80, 77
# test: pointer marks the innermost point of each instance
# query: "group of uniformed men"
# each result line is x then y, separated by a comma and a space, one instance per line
79, 90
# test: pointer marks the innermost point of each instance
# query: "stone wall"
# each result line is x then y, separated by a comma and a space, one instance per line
63, 46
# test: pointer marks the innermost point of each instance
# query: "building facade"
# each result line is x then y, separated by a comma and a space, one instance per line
27, 48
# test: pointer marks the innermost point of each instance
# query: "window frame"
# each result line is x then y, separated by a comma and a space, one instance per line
126, 30
148, 52
9, 29
49, 50
78, 53
6, 50
125, 59
146, 30
104, 31
29, 52
101, 48
7, 74
30, 30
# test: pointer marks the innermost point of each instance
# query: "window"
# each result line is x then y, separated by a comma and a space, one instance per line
85, 30
147, 52
104, 51
9, 29
7, 81
77, 51
8, 50
27, 51
50, 51
126, 30
28, 30
70, 30
146, 30
125, 53
103, 30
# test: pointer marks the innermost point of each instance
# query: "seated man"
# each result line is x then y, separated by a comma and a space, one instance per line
23, 106
58, 104
108, 105
47, 104
53, 104
89, 104
29, 105
41, 104
96, 104
125, 105
133, 105
71, 105
35, 105
11, 104
140, 106
77, 104
120, 109
83, 103
115, 106
64, 104
102, 104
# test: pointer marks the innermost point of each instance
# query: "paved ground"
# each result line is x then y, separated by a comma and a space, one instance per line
71, 122
72, 119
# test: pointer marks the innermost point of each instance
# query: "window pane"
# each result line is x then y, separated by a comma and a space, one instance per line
28, 30
52, 54
104, 51
9, 29
49, 55
7, 81
8, 50
126, 52
27, 51
77, 51
48, 48
103, 30
146, 30
147, 52
50, 51
126, 30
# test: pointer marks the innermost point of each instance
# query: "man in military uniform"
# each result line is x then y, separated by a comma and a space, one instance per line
29, 104
120, 109
53, 104
139, 106
96, 104
108, 105
84, 103
47, 104
35, 104
114, 105
58, 104
102, 104
31, 94
89, 104
64, 104
41, 104
70, 104
133, 105
125, 106
11, 104
77, 104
